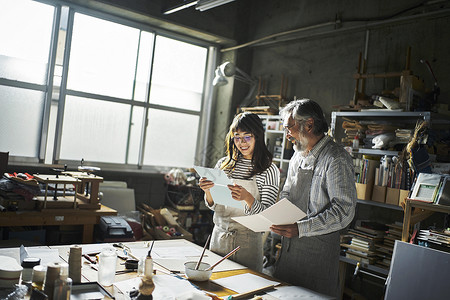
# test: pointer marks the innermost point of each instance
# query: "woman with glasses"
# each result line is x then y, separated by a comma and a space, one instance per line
256, 180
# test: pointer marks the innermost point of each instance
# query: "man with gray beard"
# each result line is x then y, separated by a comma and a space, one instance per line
320, 181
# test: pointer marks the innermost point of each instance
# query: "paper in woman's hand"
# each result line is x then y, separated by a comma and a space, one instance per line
220, 193
217, 176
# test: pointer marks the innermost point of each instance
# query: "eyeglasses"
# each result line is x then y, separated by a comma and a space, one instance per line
245, 138
288, 127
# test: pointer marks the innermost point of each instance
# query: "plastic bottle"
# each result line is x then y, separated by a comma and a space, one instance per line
107, 266
63, 285
38, 277
356, 142
28, 264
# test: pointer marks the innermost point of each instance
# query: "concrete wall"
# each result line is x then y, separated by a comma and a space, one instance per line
320, 63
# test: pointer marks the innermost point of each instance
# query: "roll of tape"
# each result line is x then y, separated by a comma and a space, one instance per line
166, 229
173, 230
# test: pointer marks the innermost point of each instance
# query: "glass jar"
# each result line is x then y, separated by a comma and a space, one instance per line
107, 266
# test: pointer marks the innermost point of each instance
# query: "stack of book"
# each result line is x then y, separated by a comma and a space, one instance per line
365, 236
439, 240
385, 250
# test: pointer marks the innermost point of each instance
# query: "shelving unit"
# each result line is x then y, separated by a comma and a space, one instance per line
376, 211
408, 118
273, 131
427, 209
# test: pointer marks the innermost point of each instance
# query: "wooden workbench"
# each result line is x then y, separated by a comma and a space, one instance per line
85, 217
175, 263
90, 275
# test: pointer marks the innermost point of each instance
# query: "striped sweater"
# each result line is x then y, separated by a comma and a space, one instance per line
268, 183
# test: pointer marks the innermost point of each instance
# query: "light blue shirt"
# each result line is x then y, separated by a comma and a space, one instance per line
333, 193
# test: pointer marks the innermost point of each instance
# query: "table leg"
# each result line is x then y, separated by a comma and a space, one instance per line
88, 233
342, 273
406, 221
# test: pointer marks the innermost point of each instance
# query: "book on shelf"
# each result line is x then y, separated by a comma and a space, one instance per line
364, 235
364, 260
362, 253
425, 187
443, 195
434, 236
374, 232
358, 248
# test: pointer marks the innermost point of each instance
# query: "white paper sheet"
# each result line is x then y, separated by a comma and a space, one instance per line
46, 255
281, 213
94, 248
217, 176
295, 293
219, 192
167, 287
187, 251
244, 283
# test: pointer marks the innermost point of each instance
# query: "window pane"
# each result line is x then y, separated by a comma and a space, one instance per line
135, 134
178, 74
94, 130
171, 139
143, 69
20, 128
103, 57
25, 33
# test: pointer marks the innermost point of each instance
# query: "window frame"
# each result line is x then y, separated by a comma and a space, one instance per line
204, 113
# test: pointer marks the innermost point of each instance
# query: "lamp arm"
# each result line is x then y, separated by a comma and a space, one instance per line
241, 75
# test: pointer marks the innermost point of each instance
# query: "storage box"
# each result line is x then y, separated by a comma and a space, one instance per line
392, 196
364, 191
113, 229
402, 195
379, 193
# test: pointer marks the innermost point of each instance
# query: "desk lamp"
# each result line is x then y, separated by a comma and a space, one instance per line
228, 69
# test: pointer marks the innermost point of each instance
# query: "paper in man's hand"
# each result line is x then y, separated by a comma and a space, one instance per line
283, 212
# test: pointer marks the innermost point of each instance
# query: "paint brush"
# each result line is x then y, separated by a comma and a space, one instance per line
201, 256
225, 257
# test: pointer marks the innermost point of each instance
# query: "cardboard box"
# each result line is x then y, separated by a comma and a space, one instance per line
379, 193
392, 196
402, 195
364, 191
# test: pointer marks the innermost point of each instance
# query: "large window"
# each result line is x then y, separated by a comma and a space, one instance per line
25, 38
100, 89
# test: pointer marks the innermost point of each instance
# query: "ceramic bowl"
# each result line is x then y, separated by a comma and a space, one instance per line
9, 272
197, 275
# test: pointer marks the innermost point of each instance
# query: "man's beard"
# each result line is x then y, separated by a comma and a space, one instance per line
300, 145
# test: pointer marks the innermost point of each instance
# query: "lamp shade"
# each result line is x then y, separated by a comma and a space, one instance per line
219, 79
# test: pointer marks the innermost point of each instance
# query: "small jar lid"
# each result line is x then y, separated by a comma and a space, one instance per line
30, 262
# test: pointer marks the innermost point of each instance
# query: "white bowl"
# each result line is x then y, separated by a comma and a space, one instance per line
197, 275
9, 271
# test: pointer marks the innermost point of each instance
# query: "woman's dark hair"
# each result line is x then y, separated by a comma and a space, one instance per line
262, 158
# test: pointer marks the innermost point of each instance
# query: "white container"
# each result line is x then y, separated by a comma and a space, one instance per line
28, 264
10, 271
107, 266
197, 275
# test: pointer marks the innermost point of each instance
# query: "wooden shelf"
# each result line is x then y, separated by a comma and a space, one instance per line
369, 267
379, 204
427, 210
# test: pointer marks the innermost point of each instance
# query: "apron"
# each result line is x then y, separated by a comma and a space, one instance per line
310, 262
228, 234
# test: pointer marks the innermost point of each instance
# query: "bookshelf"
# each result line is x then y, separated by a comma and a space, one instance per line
426, 210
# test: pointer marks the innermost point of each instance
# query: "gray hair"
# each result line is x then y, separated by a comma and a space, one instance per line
304, 109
